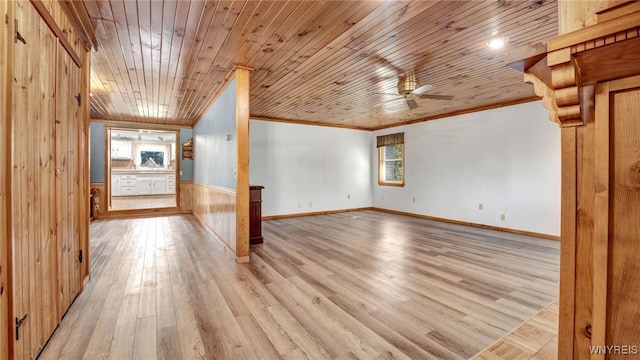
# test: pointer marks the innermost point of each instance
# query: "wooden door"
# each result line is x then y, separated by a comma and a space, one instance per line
68, 179
33, 182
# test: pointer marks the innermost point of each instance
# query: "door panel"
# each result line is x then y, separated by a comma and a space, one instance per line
68, 179
33, 182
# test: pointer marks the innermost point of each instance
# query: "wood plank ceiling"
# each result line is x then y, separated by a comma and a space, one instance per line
323, 62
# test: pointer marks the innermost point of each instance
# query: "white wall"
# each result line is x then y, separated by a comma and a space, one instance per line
508, 159
309, 168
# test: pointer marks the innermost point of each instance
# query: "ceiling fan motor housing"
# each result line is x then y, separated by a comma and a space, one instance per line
407, 84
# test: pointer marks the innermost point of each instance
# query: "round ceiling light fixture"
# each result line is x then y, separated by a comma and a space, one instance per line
497, 43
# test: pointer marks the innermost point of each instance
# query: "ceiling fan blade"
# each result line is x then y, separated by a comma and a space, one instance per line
412, 103
436, 97
423, 89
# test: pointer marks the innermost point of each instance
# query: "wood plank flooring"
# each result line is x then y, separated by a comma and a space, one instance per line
535, 339
364, 284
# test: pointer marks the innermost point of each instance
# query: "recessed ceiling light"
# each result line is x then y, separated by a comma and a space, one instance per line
497, 43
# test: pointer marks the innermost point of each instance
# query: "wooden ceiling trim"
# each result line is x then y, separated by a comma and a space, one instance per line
311, 123
360, 75
460, 112
218, 16
170, 57
254, 46
156, 45
113, 18
187, 39
430, 81
393, 46
143, 27
208, 69
169, 13
285, 37
102, 83
215, 87
345, 63
324, 36
342, 48
113, 89
231, 43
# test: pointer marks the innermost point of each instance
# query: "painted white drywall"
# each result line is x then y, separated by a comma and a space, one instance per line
309, 168
508, 159
214, 157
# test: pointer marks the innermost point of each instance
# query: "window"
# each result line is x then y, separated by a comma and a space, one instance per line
391, 160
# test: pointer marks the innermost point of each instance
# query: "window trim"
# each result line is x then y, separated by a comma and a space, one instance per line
381, 161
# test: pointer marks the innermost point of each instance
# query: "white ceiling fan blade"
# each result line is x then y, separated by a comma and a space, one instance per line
423, 89
436, 97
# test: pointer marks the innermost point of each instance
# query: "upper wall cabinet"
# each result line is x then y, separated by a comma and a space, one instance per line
120, 149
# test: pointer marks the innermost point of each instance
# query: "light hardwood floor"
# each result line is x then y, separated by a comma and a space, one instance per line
365, 284
535, 339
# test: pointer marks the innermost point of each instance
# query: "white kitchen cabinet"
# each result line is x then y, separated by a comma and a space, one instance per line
170, 184
143, 186
158, 185
115, 185
120, 149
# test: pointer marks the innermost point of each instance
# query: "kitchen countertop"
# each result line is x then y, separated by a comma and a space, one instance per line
143, 171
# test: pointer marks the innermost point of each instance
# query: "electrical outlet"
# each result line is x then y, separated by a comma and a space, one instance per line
414, 199
348, 196
181, 172
503, 217
480, 206
310, 204
381, 197
299, 205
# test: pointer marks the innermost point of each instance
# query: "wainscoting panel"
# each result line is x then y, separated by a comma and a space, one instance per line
186, 196
215, 207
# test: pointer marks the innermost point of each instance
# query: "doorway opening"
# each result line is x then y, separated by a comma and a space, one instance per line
142, 167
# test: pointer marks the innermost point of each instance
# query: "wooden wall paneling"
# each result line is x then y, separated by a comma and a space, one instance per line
215, 208
186, 196
101, 200
69, 179
6, 273
623, 281
242, 166
33, 181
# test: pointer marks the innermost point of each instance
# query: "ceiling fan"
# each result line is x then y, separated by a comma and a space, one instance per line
409, 89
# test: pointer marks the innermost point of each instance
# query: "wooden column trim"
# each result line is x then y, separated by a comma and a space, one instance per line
601, 219
242, 165
568, 233
602, 52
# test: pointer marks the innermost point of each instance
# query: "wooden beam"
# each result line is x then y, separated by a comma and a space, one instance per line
79, 19
51, 23
242, 165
